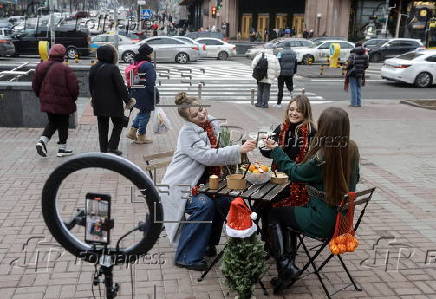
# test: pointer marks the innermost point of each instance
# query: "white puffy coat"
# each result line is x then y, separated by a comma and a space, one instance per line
273, 67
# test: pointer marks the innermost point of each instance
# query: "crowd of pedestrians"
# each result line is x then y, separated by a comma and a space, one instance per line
282, 67
57, 88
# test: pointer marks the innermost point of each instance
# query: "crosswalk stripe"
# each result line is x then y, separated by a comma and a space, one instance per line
220, 81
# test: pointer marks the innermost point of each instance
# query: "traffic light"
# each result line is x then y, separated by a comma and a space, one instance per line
219, 4
213, 11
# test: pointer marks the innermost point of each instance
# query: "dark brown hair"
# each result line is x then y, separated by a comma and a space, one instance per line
303, 105
332, 143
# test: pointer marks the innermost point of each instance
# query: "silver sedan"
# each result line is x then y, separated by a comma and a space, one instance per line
167, 49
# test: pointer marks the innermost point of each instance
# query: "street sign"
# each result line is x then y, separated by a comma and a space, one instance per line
141, 2
146, 14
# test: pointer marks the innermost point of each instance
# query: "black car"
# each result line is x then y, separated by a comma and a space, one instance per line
75, 41
393, 48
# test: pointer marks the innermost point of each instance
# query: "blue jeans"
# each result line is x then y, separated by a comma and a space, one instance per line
141, 120
195, 237
355, 86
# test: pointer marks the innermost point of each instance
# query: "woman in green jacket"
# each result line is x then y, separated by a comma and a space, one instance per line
332, 167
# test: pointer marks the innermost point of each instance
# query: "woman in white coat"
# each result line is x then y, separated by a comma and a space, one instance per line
264, 85
195, 159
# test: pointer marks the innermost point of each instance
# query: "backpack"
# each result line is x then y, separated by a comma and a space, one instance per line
135, 68
261, 68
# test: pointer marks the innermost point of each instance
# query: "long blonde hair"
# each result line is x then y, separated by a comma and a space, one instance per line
303, 104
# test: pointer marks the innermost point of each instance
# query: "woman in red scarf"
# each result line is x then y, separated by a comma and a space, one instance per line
293, 135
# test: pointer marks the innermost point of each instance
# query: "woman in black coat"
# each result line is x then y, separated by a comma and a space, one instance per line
108, 93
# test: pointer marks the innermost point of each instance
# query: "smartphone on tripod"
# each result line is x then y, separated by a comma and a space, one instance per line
97, 209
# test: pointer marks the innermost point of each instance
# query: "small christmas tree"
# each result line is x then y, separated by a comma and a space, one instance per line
244, 257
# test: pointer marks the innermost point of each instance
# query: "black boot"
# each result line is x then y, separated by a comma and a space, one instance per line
286, 269
290, 251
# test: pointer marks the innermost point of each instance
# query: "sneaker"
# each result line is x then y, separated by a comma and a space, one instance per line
115, 152
277, 105
41, 148
64, 152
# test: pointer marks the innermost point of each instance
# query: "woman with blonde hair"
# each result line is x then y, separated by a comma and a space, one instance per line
332, 167
293, 135
196, 157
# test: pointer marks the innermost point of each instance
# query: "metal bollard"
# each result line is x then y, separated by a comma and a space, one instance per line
154, 59
303, 91
252, 96
154, 95
199, 91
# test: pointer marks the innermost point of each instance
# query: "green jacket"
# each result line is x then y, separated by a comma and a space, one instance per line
317, 218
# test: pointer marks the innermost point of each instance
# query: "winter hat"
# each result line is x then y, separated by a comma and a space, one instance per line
240, 220
57, 50
145, 49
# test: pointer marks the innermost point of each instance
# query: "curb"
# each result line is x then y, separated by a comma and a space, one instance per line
414, 104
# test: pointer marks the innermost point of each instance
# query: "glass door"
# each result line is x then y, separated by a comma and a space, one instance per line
247, 23
281, 21
298, 24
262, 24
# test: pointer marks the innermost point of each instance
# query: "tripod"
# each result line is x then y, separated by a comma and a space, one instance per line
106, 271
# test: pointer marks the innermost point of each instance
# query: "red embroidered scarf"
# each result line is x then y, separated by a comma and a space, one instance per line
298, 195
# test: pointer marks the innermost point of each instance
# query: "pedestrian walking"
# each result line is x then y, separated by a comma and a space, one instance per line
108, 92
288, 68
196, 157
356, 65
144, 96
266, 68
57, 88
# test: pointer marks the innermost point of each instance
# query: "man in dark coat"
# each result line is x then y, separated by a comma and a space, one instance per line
144, 96
356, 66
108, 92
288, 67
57, 87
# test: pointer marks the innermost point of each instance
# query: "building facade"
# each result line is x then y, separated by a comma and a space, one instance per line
324, 17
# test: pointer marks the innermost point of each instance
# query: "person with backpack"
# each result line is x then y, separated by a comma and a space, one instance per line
266, 68
108, 92
288, 68
356, 65
145, 95
57, 88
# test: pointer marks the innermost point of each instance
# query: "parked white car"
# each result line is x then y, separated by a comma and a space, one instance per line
167, 49
104, 39
201, 47
417, 67
274, 46
217, 48
320, 52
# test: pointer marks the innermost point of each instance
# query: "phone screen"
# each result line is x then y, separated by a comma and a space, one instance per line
97, 218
